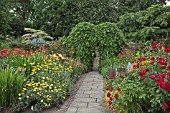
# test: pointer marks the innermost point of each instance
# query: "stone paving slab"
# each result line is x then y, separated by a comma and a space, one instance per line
72, 110
89, 110
93, 92
89, 95
84, 100
94, 105
100, 96
88, 86
82, 95
79, 104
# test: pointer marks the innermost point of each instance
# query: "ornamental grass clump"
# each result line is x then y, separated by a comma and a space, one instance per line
11, 83
146, 87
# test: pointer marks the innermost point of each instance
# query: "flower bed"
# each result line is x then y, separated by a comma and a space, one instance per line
146, 87
47, 79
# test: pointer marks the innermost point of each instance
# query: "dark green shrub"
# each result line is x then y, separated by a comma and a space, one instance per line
110, 40
86, 38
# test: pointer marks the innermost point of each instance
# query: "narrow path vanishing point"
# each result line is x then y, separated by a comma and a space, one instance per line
89, 95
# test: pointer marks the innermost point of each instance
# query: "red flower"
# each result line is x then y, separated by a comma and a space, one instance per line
142, 72
108, 94
165, 106
168, 73
154, 45
163, 67
111, 89
122, 76
168, 66
118, 89
142, 77
160, 80
17, 49
152, 77
112, 76
153, 58
141, 59
162, 74
147, 70
166, 86
152, 63
110, 98
156, 75
110, 102
167, 50
134, 60
162, 61
116, 96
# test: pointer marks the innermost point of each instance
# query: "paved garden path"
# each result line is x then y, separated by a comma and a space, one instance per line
88, 98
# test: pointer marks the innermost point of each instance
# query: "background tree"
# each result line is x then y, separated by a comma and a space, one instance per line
127, 6
4, 17
146, 24
58, 17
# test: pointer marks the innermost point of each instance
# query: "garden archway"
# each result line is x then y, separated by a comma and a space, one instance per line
86, 38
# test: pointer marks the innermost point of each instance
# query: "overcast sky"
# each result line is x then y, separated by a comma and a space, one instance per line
168, 3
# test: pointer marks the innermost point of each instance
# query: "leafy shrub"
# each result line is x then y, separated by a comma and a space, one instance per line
110, 40
81, 41
78, 69
11, 83
85, 38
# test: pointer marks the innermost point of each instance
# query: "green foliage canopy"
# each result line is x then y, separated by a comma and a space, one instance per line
146, 24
